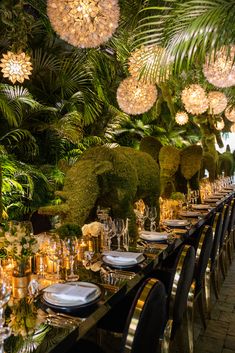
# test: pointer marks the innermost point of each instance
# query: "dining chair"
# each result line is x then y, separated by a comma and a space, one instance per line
145, 322
223, 240
178, 279
230, 235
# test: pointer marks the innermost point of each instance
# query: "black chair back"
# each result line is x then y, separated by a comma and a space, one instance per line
225, 215
146, 319
203, 252
216, 232
232, 216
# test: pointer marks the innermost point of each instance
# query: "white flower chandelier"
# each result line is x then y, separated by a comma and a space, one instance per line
219, 125
232, 129
135, 97
194, 99
217, 102
230, 113
84, 23
16, 67
219, 69
149, 64
181, 118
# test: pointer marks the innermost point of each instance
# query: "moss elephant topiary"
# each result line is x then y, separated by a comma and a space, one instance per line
226, 164
103, 176
152, 146
169, 161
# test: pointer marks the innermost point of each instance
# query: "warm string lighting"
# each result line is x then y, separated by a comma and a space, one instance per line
135, 97
16, 67
219, 125
217, 102
84, 23
148, 64
219, 68
194, 99
181, 118
230, 113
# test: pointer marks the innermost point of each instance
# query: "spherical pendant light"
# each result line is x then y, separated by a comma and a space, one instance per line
232, 128
181, 118
217, 102
230, 113
16, 67
84, 23
219, 125
194, 99
148, 64
219, 69
135, 97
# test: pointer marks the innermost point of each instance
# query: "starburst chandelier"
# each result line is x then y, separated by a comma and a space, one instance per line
194, 99
84, 23
181, 118
219, 68
217, 102
230, 113
16, 67
135, 97
219, 125
149, 64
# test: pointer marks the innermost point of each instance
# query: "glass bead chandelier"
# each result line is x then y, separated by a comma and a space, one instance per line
219, 125
219, 68
194, 99
16, 67
149, 65
217, 102
230, 113
135, 97
84, 23
181, 118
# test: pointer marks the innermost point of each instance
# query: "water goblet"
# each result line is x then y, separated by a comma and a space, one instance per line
119, 229
71, 246
152, 216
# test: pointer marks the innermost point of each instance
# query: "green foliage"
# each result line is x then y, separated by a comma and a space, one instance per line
209, 163
151, 145
69, 230
169, 160
190, 161
226, 164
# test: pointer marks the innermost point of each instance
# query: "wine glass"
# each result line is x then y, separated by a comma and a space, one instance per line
109, 232
55, 254
119, 229
5, 293
71, 245
152, 216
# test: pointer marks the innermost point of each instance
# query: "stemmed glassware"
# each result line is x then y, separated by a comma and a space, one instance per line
152, 216
71, 245
5, 293
119, 229
55, 254
109, 232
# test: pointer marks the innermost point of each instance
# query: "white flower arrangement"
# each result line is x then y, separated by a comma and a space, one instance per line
93, 229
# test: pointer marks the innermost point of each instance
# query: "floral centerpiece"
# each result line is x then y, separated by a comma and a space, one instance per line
20, 244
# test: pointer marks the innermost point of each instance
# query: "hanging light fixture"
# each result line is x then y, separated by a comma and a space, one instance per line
84, 23
135, 97
16, 67
149, 64
217, 102
194, 99
219, 125
181, 118
230, 113
232, 128
219, 68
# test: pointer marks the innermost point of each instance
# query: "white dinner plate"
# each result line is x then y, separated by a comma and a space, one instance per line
201, 206
190, 214
177, 222
54, 299
114, 262
154, 236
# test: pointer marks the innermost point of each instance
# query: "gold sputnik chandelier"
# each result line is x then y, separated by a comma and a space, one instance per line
194, 99
16, 67
219, 68
219, 125
181, 118
230, 113
84, 23
135, 97
147, 64
217, 102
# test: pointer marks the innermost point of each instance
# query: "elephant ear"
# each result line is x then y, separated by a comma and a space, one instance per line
103, 167
169, 160
191, 159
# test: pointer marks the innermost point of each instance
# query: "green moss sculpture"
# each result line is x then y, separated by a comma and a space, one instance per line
113, 178
169, 160
209, 163
190, 161
151, 145
226, 164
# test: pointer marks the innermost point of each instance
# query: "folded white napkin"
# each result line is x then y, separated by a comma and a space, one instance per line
123, 257
71, 292
154, 235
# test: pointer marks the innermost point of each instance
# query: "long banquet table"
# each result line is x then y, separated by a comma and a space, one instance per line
59, 334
